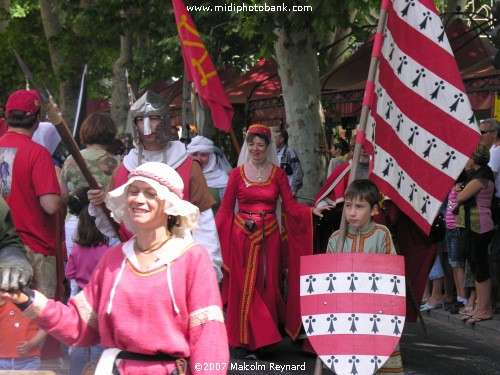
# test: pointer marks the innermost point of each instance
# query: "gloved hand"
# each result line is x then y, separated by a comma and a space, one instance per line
15, 269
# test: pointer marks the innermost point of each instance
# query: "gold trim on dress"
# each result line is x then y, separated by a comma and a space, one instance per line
204, 315
86, 312
37, 307
250, 274
249, 183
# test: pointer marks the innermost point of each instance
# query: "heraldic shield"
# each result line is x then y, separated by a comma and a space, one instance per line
353, 308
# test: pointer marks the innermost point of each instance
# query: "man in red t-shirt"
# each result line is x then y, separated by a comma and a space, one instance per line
29, 184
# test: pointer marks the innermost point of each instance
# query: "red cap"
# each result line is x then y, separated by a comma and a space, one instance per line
259, 129
23, 100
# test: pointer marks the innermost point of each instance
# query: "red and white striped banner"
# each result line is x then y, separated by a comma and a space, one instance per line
353, 308
421, 130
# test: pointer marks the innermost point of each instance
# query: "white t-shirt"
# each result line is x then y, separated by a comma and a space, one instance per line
495, 166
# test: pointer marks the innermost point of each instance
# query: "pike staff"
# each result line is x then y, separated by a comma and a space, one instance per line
50, 107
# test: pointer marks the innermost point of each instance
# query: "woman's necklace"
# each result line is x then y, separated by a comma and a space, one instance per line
152, 247
259, 171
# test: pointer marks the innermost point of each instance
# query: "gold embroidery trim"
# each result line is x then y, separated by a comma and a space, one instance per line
204, 315
251, 271
252, 183
86, 312
37, 307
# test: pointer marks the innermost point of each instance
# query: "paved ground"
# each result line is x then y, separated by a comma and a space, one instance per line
451, 348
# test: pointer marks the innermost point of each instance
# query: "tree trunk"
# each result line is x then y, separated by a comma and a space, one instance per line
298, 69
338, 51
69, 83
119, 97
5, 5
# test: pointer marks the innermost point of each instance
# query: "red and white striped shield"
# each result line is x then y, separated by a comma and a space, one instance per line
353, 308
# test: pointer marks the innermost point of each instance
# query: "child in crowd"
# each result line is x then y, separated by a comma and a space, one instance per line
361, 200
455, 253
89, 247
20, 338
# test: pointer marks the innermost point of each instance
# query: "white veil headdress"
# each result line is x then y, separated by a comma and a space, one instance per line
272, 151
271, 156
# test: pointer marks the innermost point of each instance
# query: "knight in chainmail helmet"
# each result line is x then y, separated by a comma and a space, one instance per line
152, 137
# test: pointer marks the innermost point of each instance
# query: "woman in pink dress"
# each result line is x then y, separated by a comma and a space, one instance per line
153, 301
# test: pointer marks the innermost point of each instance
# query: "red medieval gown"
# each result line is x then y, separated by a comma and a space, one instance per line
252, 286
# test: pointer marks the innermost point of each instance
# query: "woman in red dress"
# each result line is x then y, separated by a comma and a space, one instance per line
251, 243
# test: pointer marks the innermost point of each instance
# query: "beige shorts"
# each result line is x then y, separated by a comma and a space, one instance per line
45, 274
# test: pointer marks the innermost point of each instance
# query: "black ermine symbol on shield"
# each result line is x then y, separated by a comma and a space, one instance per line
420, 73
401, 120
396, 321
459, 99
374, 279
403, 61
332, 360
310, 321
353, 277
450, 156
392, 52
472, 119
311, 279
431, 143
377, 361
414, 132
427, 202
389, 108
390, 164
441, 36
427, 17
375, 319
404, 12
401, 175
395, 281
331, 278
413, 189
439, 86
332, 318
354, 360
353, 318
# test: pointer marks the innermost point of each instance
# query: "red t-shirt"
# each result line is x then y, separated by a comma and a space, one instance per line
3, 127
26, 173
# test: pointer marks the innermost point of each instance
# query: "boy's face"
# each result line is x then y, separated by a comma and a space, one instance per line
358, 212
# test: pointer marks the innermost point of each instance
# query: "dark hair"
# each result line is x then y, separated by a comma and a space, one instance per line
364, 190
98, 128
341, 144
18, 119
251, 136
284, 135
87, 233
116, 147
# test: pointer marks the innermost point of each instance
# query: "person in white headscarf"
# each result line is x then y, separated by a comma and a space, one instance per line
202, 150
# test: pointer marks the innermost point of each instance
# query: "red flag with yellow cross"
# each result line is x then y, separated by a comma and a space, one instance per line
200, 70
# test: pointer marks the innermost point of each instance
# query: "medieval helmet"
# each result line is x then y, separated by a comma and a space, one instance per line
151, 104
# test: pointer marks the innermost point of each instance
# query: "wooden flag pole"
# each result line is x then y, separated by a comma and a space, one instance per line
365, 110
360, 136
